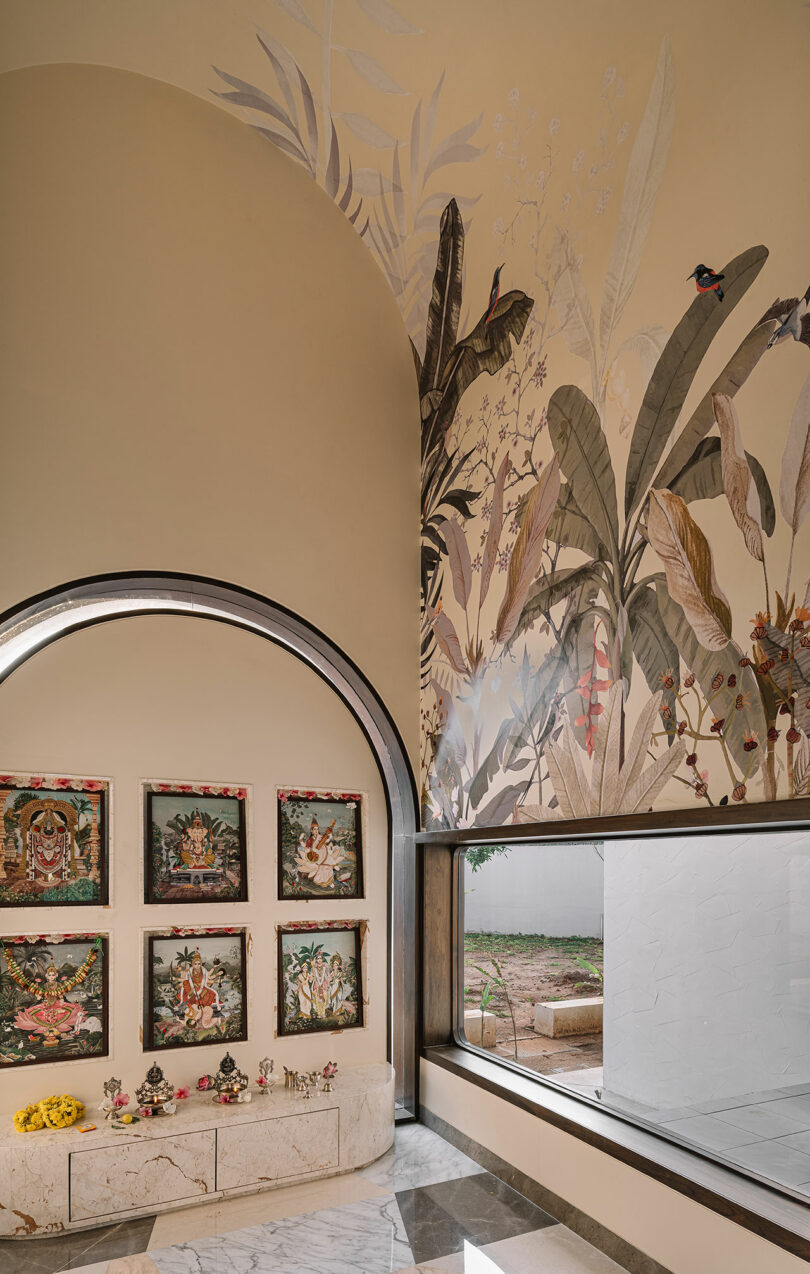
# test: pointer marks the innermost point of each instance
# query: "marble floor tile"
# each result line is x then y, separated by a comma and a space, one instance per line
419, 1157
73, 1250
761, 1120
794, 1107
138, 1263
555, 1250
711, 1133
227, 1215
368, 1236
797, 1141
775, 1160
481, 1209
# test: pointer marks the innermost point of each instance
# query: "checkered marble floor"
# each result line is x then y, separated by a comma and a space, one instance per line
424, 1207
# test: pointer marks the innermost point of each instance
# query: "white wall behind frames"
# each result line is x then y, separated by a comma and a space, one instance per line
556, 890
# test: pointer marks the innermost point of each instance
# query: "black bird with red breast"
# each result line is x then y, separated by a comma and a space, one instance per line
707, 280
495, 292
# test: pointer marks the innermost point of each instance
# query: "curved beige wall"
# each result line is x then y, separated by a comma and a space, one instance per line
202, 368
202, 371
162, 697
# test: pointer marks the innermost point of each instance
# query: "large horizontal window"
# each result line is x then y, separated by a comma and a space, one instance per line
665, 978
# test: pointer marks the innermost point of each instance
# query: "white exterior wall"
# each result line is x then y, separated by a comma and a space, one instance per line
551, 889
707, 966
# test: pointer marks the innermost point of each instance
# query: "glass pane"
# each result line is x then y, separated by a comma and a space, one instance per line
533, 955
701, 1026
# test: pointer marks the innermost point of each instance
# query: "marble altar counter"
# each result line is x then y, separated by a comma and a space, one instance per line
54, 1180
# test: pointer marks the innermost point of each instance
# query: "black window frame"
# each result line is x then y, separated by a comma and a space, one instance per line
766, 1208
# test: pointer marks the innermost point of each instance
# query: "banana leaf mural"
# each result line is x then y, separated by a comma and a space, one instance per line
448, 368
639, 595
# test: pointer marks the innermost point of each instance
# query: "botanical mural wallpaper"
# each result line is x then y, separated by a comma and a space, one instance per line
581, 651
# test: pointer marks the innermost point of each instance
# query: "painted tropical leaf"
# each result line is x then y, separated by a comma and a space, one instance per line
460, 565
794, 486
579, 634
369, 132
643, 786
445, 303
702, 479
687, 557
647, 344
448, 641
582, 451
706, 664
738, 481
486, 349
296, 10
494, 530
612, 789
570, 527
567, 776
731, 379
548, 591
606, 752
801, 767
675, 371
791, 679
645, 172
527, 552
496, 811
387, 18
491, 765
370, 70
573, 307
653, 647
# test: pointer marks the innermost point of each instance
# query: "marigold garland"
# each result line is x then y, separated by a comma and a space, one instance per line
51, 1112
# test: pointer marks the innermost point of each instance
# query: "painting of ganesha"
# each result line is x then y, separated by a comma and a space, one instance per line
320, 844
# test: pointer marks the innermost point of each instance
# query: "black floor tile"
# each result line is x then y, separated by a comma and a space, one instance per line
479, 1208
72, 1250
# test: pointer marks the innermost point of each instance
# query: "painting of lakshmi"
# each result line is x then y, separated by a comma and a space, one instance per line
53, 999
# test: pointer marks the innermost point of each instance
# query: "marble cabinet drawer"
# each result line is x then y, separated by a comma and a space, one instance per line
274, 1148
141, 1174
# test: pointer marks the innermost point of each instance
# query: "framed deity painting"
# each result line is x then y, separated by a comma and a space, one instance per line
53, 998
53, 841
320, 844
320, 982
195, 843
196, 988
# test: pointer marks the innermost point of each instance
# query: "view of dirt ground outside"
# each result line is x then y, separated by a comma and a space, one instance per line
519, 986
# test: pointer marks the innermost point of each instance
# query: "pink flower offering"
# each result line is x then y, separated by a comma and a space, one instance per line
261, 1081
122, 1099
203, 1083
145, 1111
181, 1093
224, 1099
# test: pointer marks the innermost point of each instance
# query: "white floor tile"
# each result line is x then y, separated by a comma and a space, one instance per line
710, 1133
226, 1215
761, 1120
419, 1157
774, 1160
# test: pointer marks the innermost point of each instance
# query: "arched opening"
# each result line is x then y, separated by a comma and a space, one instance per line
47, 618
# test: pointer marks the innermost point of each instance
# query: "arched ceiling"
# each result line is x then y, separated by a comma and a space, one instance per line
395, 105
